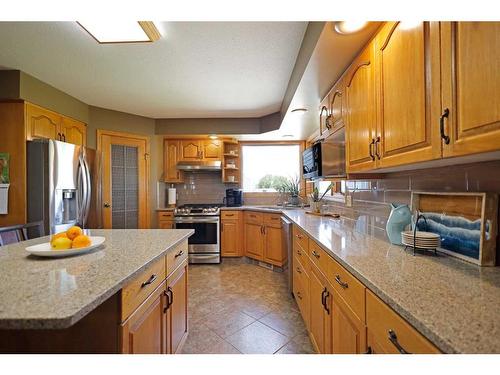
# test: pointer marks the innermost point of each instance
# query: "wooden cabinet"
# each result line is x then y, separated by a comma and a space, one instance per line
407, 66
263, 238
171, 155
470, 55
389, 333
361, 124
348, 331
231, 234
73, 131
212, 149
324, 113
332, 110
176, 308
43, 123
166, 220
320, 310
190, 149
145, 331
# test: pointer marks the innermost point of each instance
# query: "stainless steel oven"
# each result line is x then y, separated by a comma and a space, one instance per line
204, 244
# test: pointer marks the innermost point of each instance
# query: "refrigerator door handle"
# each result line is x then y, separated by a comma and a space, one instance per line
83, 187
88, 193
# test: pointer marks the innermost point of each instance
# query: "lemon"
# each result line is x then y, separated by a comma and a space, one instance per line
61, 243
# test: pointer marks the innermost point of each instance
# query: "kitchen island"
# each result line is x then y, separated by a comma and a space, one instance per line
116, 299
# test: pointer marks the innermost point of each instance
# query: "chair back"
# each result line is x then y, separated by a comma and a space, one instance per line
21, 232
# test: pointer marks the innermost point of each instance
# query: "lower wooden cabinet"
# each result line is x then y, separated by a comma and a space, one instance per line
176, 309
145, 332
320, 311
263, 238
166, 220
231, 234
254, 243
348, 331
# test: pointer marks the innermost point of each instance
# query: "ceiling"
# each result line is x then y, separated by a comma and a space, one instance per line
197, 70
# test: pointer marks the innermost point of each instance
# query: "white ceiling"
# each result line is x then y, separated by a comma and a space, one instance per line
198, 69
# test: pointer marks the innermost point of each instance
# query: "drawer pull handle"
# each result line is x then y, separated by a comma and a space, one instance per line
150, 281
369, 350
298, 270
340, 282
179, 254
229, 215
315, 254
393, 338
298, 295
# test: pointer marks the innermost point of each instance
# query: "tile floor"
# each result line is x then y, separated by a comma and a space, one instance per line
237, 307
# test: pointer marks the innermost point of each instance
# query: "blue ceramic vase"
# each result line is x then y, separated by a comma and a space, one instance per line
399, 219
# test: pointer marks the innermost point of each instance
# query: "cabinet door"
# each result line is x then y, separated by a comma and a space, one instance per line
320, 316
144, 332
190, 150
212, 149
171, 151
230, 238
42, 123
470, 81
177, 313
164, 224
348, 332
361, 113
324, 113
337, 106
407, 60
73, 131
273, 249
254, 247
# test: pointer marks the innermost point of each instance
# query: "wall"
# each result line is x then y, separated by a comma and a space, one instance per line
106, 119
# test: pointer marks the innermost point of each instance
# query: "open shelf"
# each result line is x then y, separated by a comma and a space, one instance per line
231, 155
231, 169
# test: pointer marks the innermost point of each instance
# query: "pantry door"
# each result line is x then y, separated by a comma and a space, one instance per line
125, 186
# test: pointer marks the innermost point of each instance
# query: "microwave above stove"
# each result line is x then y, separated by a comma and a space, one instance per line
325, 158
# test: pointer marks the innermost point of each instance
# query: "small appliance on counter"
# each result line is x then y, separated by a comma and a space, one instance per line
233, 198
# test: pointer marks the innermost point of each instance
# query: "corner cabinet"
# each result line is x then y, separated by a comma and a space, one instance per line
470, 72
263, 238
361, 124
407, 67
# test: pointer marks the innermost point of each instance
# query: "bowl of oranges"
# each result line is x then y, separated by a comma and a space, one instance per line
71, 242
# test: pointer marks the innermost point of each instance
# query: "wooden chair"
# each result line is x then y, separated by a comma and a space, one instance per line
22, 232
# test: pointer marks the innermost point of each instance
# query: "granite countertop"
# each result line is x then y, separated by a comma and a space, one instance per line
262, 208
454, 304
46, 293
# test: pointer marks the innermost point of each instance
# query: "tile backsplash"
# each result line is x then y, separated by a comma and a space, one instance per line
201, 187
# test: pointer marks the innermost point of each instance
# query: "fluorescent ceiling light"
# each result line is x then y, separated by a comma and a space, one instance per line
121, 31
349, 27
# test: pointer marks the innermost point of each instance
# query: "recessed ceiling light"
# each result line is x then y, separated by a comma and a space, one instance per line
299, 111
121, 31
213, 136
349, 27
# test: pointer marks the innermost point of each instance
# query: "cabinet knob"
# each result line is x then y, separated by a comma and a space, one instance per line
107, 205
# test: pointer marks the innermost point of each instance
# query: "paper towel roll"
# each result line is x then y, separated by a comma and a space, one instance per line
172, 195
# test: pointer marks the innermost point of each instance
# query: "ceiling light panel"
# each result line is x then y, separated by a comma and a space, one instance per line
121, 31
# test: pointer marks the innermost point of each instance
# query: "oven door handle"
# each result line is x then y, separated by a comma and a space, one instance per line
198, 220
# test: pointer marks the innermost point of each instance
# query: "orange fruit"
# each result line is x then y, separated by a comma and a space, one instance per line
58, 235
81, 241
73, 232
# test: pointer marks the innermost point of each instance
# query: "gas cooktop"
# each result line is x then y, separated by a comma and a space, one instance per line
198, 210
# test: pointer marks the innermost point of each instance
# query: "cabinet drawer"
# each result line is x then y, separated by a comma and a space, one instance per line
319, 257
230, 215
301, 239
176, 256
301, 293
272, 220
390, 330
165, 215
136, 291
254, 217
348, 287
166, 224
301, 271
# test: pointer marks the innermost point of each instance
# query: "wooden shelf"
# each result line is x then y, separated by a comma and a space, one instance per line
231, 155
231, 169
231, 182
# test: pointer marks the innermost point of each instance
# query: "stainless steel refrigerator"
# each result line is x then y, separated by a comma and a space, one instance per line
63, 185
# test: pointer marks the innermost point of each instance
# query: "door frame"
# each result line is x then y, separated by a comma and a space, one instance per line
112, 133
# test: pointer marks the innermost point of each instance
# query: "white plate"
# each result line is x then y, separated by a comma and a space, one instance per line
45, 249
421, 234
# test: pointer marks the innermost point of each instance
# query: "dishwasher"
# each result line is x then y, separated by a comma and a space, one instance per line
287, 243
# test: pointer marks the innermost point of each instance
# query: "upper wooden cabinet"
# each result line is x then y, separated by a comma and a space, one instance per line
200, 149
212, 149
470, 72
43, 123
407, 66
361, 114
171, 153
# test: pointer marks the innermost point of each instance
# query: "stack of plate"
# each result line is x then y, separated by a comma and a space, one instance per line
423, 240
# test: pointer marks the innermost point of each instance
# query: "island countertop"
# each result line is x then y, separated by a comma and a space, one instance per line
453, 303
52, 293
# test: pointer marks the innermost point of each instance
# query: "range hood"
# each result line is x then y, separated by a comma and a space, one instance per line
200, 165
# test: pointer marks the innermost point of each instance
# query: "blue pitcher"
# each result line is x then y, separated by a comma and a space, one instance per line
399, 219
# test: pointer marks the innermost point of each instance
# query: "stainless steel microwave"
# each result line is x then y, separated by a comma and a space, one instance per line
325, 158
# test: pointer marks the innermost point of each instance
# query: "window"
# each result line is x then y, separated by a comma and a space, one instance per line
265, 167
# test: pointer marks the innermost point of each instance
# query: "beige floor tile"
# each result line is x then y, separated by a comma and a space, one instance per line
257, 338
287, 323
300, 344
